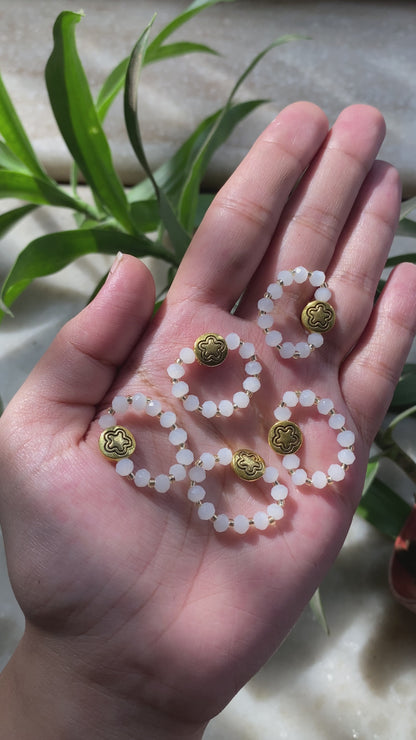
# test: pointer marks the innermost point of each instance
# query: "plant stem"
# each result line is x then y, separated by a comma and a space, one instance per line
391, 449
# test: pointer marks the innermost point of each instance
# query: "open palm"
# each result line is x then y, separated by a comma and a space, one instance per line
141, 597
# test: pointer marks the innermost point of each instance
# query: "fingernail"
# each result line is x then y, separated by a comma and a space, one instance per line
114, 266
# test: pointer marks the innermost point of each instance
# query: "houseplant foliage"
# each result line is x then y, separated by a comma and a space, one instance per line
157, 216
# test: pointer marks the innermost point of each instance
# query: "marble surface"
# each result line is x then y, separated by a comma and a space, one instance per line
358, 682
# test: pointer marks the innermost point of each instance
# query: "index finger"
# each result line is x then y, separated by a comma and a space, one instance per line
238, 227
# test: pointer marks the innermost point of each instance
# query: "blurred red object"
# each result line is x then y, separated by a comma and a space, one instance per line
402, 575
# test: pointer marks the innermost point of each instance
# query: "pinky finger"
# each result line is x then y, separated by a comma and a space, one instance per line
370, 373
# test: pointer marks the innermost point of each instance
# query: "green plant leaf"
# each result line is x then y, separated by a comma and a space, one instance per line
179, 48
146, 215
192, 10
399, 258
407, 207
10, 218
406, 227
77, 118
9, 161
15, 135
318, 610
52, 252
405, 393
112, 86
383, 508
38, 191
172, 175
189, 195
179, 237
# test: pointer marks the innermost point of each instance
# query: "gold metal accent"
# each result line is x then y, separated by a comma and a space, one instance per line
285, 437
117, 442
318, 316
248, 465
210, 349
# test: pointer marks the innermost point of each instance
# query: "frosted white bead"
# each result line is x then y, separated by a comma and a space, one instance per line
336, 472
273, 338
162, 483
176, 371
119, 404
322, 294
241, 523
290, 398
232, 340
221, 523
275, 511
225, 408
197, 474
265, 321
299, 477
253, 367
206, 511
180, 389
300, 274
209, 409
178, 436
279, 492
307, 398
291, 462
261, 520
287, 350
265, 304
346, 456
275, 290
184, 457
317, 278
224, 456
346, 439
286, 277
178, 471
251, 384
303, 349
282, 413
247, 350
106, 420
207, 460
187, 355
336, 421
316, 340
196, 493
138, 401
142, 478
191, 403
167, 419
325, 405
271, 474
241, 399
319, 479
124, 467
153, 408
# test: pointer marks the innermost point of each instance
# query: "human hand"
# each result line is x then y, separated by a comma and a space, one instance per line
140, 617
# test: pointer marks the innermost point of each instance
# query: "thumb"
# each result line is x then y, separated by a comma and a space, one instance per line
82, 361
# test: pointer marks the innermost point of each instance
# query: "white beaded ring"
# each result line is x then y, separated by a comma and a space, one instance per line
240, 523
285, 438
211, 350
117, 443
317, 318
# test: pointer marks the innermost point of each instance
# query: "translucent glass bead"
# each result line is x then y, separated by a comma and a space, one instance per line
107, 420
346, 438
303, 349
286, 277
176, 370
317, 278
275, 511
221, 523
167, 419
196, 493
336, 472
241, 399
307, 398
291, 462
265, 321
138, 401
207, 460
209, 409
325, 405
119, 404
265, 304
273, 338
247, 350
178, 471
290, 398
142, 478
322, 294
241, 523
224, 456
124, 467
225, 408
153, 408
279, 492
261, 520
187, 355
282, 413
253, 367
191, 403
299, 477
275, 290
178, 436
197, 474
287, 350
206, 511
271, 474
232, 340
300, 274
180, 389
251, 384
184, 457
162, 483
346, 457
336, 421
319, 479
316, 340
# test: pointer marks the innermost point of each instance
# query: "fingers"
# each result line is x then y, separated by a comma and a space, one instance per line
370, 373
82, 361
237, 229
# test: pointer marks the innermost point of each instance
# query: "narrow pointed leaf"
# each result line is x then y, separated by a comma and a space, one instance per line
180, 48
179, 237
407, 207
406, 227
383, 508
10, 218
399, 258
318, 610
112, 86
192, 10
9, 161
49, 254
15, 135
38, 191
405, 393
77, 118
